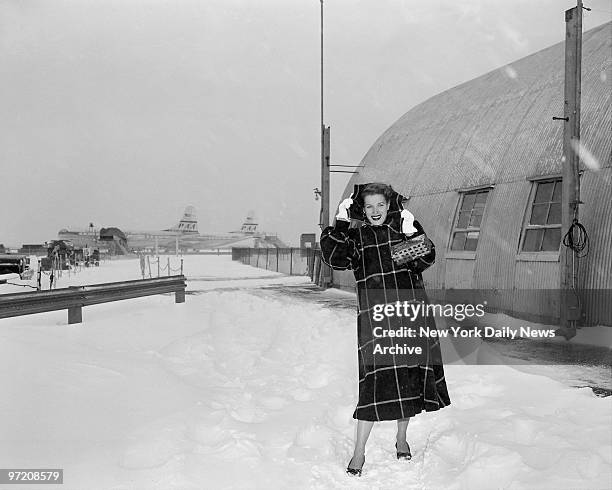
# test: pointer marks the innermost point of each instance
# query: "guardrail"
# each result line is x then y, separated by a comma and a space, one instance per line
74, 298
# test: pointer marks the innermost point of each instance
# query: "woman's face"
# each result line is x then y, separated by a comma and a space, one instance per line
376, 207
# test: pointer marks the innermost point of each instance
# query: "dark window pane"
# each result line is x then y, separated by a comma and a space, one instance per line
464, 217
554, 215
476, 219
532, 240
544, 192
552, 239
458, 241
481, 197
472, 241
468, 201
557, 193
538, 214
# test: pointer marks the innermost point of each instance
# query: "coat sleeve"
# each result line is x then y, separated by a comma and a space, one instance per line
422, 263
338, 249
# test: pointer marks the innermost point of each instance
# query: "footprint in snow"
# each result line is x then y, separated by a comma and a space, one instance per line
273, 402
491, 460
313, 442
317, 378
341, 417
248, 414
301, 394
153, 447
210, 437
236, 445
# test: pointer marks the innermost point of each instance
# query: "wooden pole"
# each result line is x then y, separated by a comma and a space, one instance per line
325, 178
325, 274
570, 196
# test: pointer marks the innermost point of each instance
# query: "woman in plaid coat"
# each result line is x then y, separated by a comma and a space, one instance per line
393, 384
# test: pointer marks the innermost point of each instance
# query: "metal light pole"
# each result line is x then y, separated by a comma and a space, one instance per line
325, 277
325, 149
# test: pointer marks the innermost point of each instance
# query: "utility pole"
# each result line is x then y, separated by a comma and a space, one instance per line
570, 196
325, 155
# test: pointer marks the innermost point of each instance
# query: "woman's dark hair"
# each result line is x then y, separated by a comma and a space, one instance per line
376, 188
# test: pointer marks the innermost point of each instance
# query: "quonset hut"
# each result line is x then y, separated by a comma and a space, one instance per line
481, 165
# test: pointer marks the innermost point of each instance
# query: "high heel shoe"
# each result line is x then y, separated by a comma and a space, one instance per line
403, 455
354, 471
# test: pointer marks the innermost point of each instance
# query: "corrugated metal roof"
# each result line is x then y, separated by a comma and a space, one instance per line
497, 127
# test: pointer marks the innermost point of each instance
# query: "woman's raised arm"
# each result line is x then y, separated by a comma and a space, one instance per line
338, 249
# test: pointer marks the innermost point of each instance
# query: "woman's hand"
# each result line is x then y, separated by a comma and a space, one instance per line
343, 210
407, 222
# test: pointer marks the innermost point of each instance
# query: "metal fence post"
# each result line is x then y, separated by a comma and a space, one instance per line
75, 313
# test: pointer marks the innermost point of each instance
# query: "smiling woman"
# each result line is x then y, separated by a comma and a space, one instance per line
402, 385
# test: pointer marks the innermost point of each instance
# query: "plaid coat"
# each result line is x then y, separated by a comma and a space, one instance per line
397, 386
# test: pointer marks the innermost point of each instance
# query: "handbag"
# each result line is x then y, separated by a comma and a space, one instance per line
411, 249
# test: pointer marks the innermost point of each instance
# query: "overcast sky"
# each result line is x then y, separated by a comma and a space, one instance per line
123, 112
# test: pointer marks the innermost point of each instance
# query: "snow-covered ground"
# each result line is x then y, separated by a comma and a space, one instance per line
240, 387
195, 267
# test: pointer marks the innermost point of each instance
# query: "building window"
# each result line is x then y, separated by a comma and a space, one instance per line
543, 228
467, 224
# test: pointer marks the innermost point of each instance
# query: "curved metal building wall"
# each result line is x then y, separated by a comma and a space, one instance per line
498, 130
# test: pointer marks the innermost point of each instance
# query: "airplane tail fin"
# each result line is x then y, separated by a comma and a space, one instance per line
188, 223
250, 223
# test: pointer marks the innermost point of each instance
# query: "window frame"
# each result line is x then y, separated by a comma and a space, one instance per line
539, 254
450, 253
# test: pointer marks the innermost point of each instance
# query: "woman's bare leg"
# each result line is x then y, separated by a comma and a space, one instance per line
363, 432
402, 425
